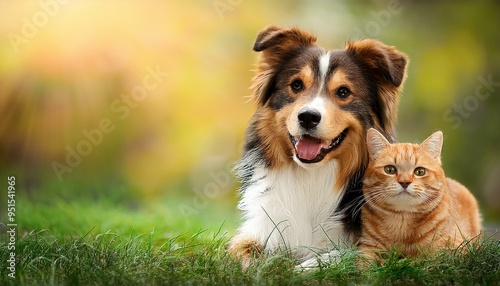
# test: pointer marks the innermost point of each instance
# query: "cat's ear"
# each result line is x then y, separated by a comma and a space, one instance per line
375, 142
433, 145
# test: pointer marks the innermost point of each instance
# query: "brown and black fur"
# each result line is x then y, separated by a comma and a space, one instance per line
374, 74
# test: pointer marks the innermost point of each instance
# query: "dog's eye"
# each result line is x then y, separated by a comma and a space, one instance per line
343, 92
297, 85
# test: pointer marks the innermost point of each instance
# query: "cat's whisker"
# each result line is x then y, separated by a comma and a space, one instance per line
356, 205
402, 218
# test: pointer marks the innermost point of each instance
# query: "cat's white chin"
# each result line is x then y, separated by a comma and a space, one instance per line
405, 201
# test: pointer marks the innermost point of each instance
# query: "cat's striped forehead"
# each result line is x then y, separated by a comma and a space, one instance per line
404, 153
406, 157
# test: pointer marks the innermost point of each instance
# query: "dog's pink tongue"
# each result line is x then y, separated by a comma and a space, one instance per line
308, 148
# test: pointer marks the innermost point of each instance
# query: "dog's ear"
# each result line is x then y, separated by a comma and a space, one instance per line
276, 44
385, 61
276, 40
388, 67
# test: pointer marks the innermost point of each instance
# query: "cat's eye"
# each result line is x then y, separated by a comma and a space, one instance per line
420, 171
389, 169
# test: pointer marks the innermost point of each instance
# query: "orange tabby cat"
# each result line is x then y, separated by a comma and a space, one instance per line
410, 205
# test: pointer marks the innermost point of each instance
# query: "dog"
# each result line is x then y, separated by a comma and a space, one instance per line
305, 152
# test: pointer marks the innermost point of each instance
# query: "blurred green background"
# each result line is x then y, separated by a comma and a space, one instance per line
144, 102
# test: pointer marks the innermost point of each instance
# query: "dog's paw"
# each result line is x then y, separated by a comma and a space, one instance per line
245, 249
308, 265
314, 263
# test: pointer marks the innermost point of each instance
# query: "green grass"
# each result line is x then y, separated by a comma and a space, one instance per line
95, 242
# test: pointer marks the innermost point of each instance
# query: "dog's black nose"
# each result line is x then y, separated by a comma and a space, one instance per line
309, 118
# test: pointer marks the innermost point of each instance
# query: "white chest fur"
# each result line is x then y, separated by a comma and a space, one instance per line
294, 208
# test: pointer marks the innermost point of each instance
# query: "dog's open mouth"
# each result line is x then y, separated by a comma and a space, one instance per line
312, 150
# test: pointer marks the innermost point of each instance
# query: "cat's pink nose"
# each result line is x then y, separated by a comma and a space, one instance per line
404, 184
